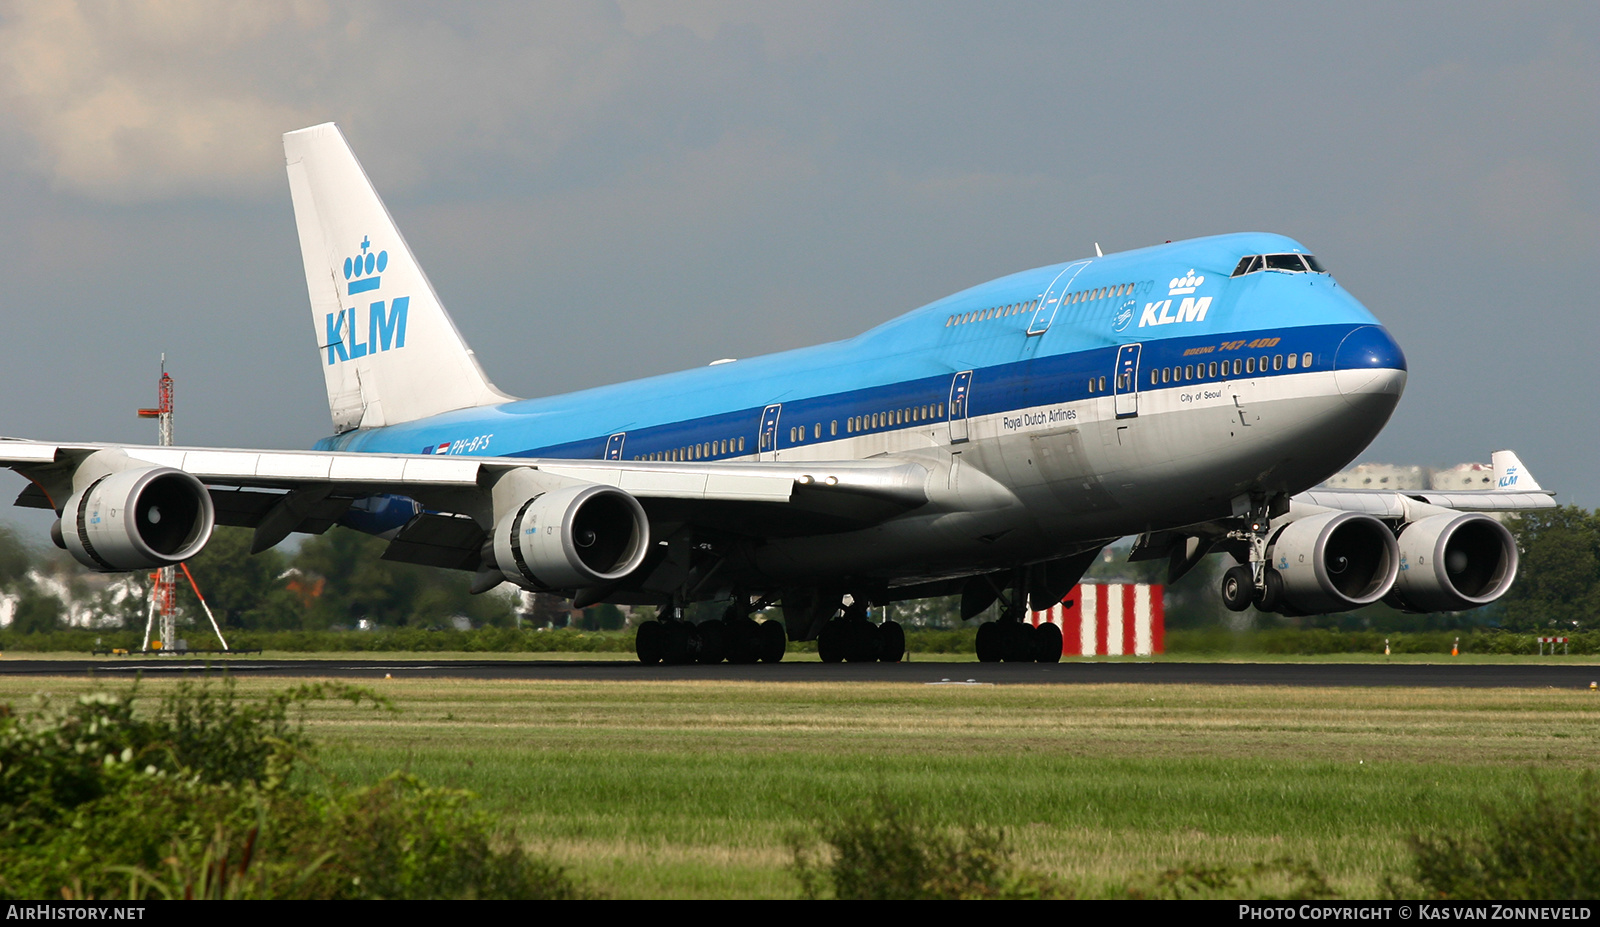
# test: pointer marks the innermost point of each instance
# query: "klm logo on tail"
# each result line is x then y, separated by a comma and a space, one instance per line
386, 322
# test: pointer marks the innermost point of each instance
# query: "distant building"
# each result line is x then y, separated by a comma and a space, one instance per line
1412, 478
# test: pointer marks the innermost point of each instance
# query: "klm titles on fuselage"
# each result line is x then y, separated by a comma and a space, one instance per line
1192, 309
386, 322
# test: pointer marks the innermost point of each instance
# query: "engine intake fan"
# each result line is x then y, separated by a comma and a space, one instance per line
1453, 562
572, 537
1334, 562
137, 519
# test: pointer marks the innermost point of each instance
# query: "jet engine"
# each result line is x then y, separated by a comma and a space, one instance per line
1453, 561
136, 519
1333, 562
571, 537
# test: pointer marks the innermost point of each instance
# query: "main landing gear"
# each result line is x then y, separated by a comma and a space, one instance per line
735, 637
851, 637
1010, 639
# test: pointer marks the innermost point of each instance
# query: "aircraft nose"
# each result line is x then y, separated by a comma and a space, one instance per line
1368, 362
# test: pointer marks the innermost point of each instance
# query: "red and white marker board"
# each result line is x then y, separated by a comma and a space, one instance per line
1113, 619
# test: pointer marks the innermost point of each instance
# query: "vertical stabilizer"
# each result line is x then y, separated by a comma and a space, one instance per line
1511, 476
388, 350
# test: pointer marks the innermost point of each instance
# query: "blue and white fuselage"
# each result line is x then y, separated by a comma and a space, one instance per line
1085, 400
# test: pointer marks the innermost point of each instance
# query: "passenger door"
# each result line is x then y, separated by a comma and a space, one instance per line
767, 438
1126, 381
960, 392
614, 445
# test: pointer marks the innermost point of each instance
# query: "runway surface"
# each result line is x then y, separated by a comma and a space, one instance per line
1468, 675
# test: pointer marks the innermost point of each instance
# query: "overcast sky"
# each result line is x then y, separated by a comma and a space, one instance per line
606, 190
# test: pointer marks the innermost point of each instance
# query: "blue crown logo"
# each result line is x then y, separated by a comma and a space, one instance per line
362, 269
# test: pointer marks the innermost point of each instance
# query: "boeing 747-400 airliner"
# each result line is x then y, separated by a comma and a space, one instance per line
989, 444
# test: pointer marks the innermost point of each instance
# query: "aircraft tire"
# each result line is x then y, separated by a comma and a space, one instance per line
863, 643
1017, 643
743, 644
675, 641
1271, 598
714, 635
772, 641
831, 641
647, 643
987, 643
1238, 589
891, 642
1047, 641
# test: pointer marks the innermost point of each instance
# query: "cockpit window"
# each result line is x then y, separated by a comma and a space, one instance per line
1294, 263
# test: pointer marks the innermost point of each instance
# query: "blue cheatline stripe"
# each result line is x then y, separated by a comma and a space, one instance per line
1052, 379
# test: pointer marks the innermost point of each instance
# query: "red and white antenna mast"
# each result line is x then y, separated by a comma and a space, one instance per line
164, 589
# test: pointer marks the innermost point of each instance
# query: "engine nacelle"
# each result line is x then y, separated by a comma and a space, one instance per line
1452, 562
571, 537
137, 519
1334, 562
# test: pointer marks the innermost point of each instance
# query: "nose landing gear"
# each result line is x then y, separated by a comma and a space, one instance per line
1255, 582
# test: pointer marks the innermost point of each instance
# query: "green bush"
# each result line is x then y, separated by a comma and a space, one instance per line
201, 799
1544, 848
885, 852
1284, 878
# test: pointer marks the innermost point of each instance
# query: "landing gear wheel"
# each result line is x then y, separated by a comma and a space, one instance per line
891, 642
1047, 638
772, 641
1271, 598
1017, 642
863, 643
831, 641
988, 642
713, 637
1238, 588
647, 643
743, 647
675, 640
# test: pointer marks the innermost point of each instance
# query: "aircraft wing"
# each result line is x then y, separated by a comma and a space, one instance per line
280, 492
1515, 490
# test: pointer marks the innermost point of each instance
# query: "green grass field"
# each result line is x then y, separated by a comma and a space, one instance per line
669, 790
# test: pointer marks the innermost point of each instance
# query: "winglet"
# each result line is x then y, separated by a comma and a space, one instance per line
1511, 476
